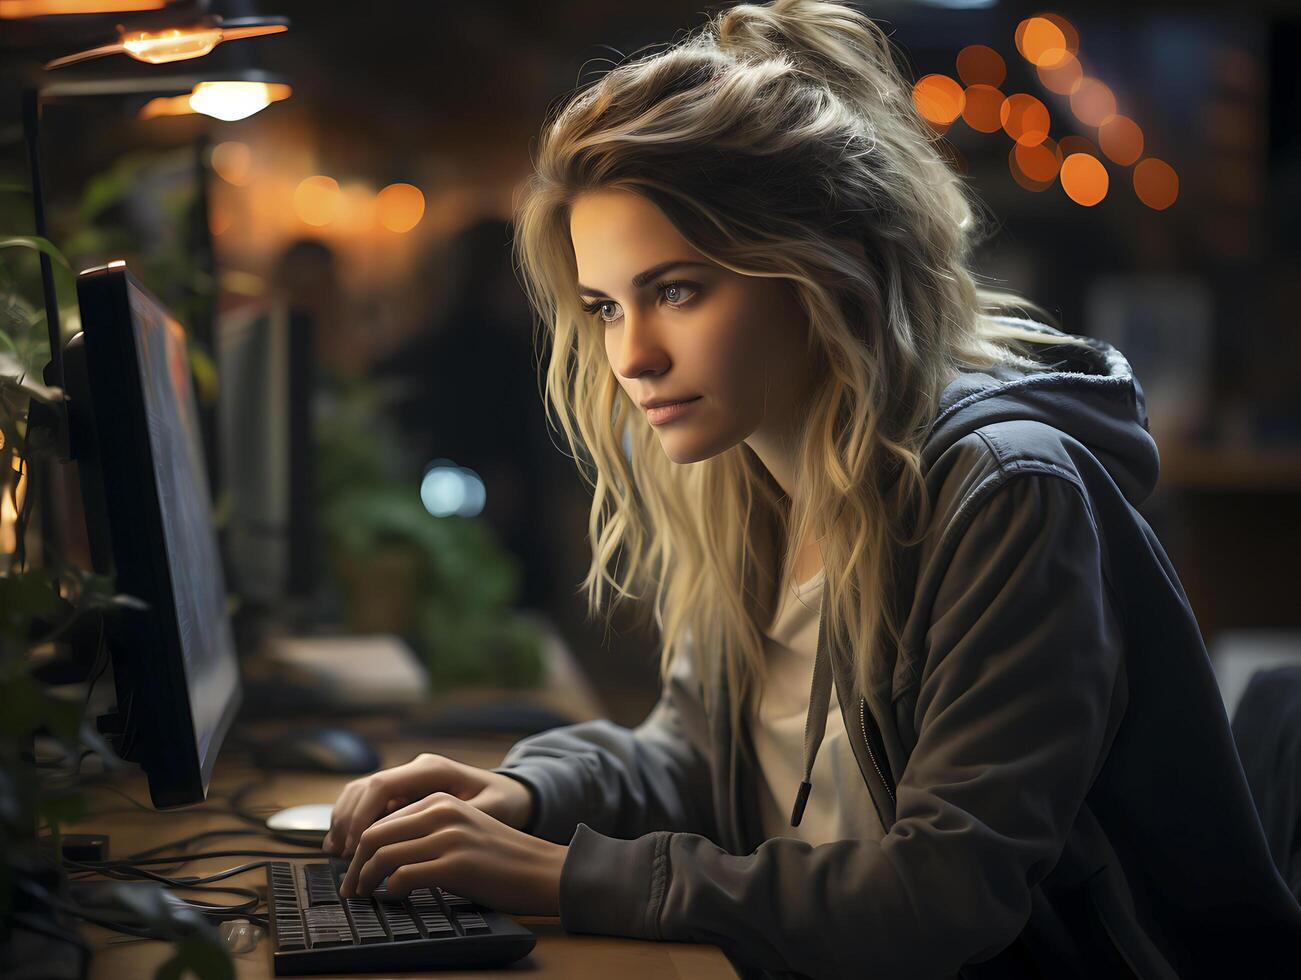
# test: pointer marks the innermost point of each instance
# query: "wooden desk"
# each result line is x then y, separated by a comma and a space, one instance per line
557, 953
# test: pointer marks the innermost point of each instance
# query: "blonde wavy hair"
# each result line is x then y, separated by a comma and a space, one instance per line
770, 137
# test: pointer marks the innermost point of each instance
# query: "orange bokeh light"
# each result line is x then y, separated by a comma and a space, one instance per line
938, 98
979, 64
1156, 183
317, 199
233, 162
1121, 139
400, 206
1093, 102
219, 218
1068, 31
1064, 77
1040, 161
983, 108
1084, 179
1075, 143
1021, 177
1024, 118
1040, 41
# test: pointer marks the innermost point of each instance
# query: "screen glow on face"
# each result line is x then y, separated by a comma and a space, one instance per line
677, 326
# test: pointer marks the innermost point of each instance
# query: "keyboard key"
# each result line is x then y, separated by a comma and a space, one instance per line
317, 931
473, 923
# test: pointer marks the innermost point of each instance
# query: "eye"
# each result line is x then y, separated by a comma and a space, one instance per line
671, 291
595, 309
677, 288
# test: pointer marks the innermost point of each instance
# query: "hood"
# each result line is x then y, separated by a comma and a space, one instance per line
1090, 394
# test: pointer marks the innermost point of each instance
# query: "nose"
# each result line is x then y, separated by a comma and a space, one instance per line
640, 348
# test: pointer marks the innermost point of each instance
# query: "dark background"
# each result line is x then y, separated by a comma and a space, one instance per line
450, 98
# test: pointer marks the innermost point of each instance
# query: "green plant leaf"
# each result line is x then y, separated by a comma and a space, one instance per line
14, 375
38, 243
199, 955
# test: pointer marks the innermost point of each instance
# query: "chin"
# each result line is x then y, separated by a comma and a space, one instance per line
681, 448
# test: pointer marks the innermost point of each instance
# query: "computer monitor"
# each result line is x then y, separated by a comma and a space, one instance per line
264, 430
149, 522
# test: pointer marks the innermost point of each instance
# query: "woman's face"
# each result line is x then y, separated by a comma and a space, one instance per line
735, 343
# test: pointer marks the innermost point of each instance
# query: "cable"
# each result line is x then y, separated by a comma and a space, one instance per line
186, 841
53, 900
184, 881
246, 909
196, 857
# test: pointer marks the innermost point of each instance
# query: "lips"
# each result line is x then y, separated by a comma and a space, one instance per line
666, 413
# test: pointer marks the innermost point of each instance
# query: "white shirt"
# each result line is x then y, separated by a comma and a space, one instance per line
839, 805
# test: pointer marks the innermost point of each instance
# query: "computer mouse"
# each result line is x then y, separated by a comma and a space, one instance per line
307, 820
320, 750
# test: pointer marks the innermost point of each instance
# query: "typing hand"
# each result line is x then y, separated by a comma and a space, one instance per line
446, 842
365, 800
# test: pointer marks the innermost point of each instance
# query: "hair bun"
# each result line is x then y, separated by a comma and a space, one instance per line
831, 41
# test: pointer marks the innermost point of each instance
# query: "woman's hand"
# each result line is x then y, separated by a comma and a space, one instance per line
451, 843
365, 800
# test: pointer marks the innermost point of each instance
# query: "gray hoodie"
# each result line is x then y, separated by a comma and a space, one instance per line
1047, 748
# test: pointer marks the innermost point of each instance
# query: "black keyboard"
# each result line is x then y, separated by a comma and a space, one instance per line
316, 931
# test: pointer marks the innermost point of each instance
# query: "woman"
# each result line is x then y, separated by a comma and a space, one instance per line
879, 490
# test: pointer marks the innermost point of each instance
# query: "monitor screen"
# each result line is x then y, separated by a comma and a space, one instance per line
174, 664
264, 416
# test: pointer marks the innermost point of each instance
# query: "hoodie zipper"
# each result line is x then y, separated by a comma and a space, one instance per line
862, 720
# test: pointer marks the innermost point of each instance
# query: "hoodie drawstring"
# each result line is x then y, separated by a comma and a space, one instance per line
815, 726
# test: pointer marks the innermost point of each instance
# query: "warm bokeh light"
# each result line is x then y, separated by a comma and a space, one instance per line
400, 206
1121, 139
230, 101
9, 508
979, 64
1040, 41
1021, 177
166, 105
219, 218
317, 200
1074, 143
1156, 183
983, 108
1024, 118
938, 98
1064, 77
1040, 162
1092, 102
1084, 179
233, 162
357, 209
1068, 30
13, 9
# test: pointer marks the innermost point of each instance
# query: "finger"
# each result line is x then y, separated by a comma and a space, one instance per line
404, 780
369, 807
434, 812
407, 810
424, 874
339, 817
389, 858
410, 827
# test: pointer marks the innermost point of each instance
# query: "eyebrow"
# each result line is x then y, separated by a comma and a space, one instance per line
642, 278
